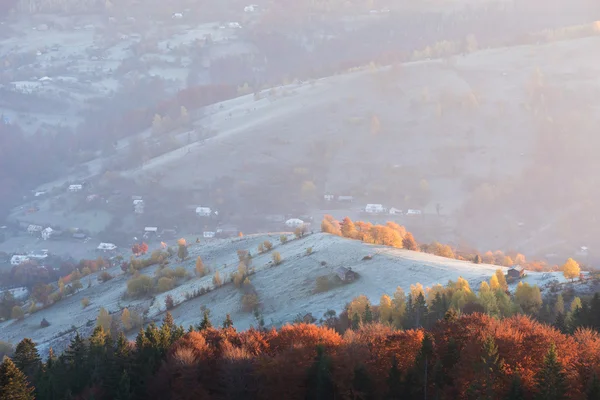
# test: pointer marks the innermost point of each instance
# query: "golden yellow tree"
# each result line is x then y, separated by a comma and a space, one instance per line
200, 269
104, 319
571, 269
494, 284
385, 309
217, 279
398, 307
358, 306
126, 319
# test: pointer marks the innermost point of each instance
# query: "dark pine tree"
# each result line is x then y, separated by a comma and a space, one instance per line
368, 314
516, 391
77, 369
355, 321
27, 358
560, 323
550, 381
205, 323
319, 383
394, 381
362, 384
123, 391
228, 323
595, 312
423, 368
593, 392
13, 382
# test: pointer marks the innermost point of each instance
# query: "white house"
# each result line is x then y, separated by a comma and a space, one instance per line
328, 197
18, 259
251, 8
39, 256
107, 246
234, 25
374, 208
177, 15
46, 233
151, 229
38, 194
413, 212
348, 199
203, 211
75, 188
294, 223
208, 235
32, 229
395, 211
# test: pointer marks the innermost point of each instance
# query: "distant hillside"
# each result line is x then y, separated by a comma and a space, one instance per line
283, 291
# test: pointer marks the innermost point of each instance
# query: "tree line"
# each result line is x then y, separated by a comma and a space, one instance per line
473, 356
394, 235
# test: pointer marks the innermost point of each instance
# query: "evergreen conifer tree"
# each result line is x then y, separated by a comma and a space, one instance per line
593, 391
362, 383
319, 383
550, 381
13, 382
394, 381
487, 369
560, 322
76, 360
516, 389
205, 324
123, 391
228, 323
368, 314
355, 321
27, 358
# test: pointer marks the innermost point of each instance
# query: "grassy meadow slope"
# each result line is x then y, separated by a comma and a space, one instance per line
284, 291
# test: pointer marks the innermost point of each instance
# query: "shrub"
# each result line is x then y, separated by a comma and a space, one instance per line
139, 286
283, 239
86, 271
180, 273
200, 268
85, 302
322, 284
76, 285
217, 281
309, 251
169, 302
165, 284
276, 257
55, 297
300, 232
268, 245
159, 256
17, 313
182, 251
239, 276
44, 323
249, 302
244, 256
105, 277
